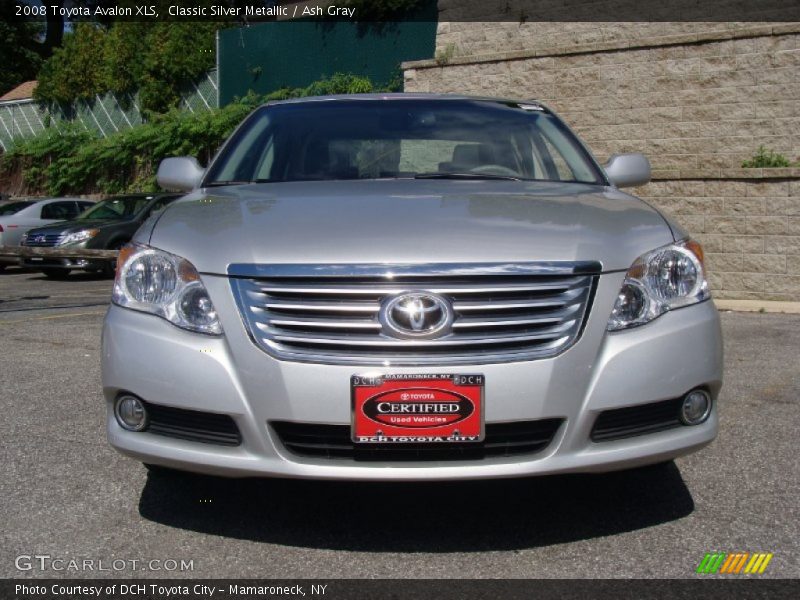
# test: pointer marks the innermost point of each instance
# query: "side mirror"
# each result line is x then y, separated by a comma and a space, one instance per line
628, 170
181, 173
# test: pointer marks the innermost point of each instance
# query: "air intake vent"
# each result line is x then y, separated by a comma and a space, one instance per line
333, 441
332, 313
637, 420
196, 426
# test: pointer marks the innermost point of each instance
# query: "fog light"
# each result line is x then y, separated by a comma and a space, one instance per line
131, 413
696, 407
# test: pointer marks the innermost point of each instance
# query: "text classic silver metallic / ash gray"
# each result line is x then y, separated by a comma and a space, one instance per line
407, 287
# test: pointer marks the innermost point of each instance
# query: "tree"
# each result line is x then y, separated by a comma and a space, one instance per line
19, 50
74, 72
126, 45
168, 65
154, 58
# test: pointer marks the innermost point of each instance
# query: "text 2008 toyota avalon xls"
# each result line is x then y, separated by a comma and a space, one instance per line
409, 287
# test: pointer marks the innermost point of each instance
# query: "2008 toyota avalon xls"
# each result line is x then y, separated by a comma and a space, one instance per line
409, 287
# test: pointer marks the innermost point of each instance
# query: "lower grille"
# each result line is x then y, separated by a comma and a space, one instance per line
196, 426
333, 441
637, 420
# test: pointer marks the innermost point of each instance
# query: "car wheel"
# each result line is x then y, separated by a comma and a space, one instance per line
56, 273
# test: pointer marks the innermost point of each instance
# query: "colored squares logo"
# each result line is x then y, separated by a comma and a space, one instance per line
736, 563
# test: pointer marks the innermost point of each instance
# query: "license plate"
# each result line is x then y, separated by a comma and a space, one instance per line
34, 259
413, 409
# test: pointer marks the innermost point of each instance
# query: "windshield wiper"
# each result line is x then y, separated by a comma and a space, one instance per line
465, 176
262, 180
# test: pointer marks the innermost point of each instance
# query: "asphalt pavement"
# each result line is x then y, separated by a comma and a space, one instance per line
68, 495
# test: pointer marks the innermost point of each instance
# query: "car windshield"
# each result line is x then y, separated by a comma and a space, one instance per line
116, 208
13, 208
404, 138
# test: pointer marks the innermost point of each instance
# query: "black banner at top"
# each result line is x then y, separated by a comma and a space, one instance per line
515, 11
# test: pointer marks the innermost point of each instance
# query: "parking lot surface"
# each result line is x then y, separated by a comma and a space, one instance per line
68, 495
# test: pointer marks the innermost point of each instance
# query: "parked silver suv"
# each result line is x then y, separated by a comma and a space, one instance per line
409, 287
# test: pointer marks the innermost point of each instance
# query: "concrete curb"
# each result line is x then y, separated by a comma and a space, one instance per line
765, 306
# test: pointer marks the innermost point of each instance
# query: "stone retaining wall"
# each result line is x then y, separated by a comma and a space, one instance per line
687, 102
749, 228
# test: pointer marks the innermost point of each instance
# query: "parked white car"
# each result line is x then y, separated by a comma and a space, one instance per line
17, 217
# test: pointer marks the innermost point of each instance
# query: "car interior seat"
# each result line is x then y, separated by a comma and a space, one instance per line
467, 157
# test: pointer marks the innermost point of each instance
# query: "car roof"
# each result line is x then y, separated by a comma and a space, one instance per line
404, 96
35, 203
43, 201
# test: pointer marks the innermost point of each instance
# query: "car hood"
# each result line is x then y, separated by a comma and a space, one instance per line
408, 221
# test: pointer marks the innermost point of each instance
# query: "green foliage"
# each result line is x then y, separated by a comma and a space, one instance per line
338, 83
396, 81
18, 49
73, 72
176, 54
37, 158
445, 55
765, 159
78, 162
156, 58
123, 67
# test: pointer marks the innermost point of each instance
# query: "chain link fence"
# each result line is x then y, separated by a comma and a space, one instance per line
107, 115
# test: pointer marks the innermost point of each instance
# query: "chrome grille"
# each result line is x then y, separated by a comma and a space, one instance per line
330, 313
43, 239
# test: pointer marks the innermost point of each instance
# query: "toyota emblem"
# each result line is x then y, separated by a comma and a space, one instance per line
416, 315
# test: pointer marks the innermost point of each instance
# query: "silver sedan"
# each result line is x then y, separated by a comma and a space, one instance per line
401, 287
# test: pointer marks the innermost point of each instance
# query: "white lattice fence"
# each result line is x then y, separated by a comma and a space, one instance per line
107, 114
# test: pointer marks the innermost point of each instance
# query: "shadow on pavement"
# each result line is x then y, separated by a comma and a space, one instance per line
8, 269
36, 275
72, 277
418, 517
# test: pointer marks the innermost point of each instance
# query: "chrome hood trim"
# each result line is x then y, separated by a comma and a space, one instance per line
391, 270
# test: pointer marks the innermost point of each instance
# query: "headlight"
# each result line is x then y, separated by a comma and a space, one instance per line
666, 278
166, 285
79, 236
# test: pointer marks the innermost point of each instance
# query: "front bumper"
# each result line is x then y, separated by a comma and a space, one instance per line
162, 364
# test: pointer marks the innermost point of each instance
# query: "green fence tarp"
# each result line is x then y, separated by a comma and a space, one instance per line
269, 56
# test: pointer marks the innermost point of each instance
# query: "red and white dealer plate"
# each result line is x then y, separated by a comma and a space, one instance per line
414, 409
